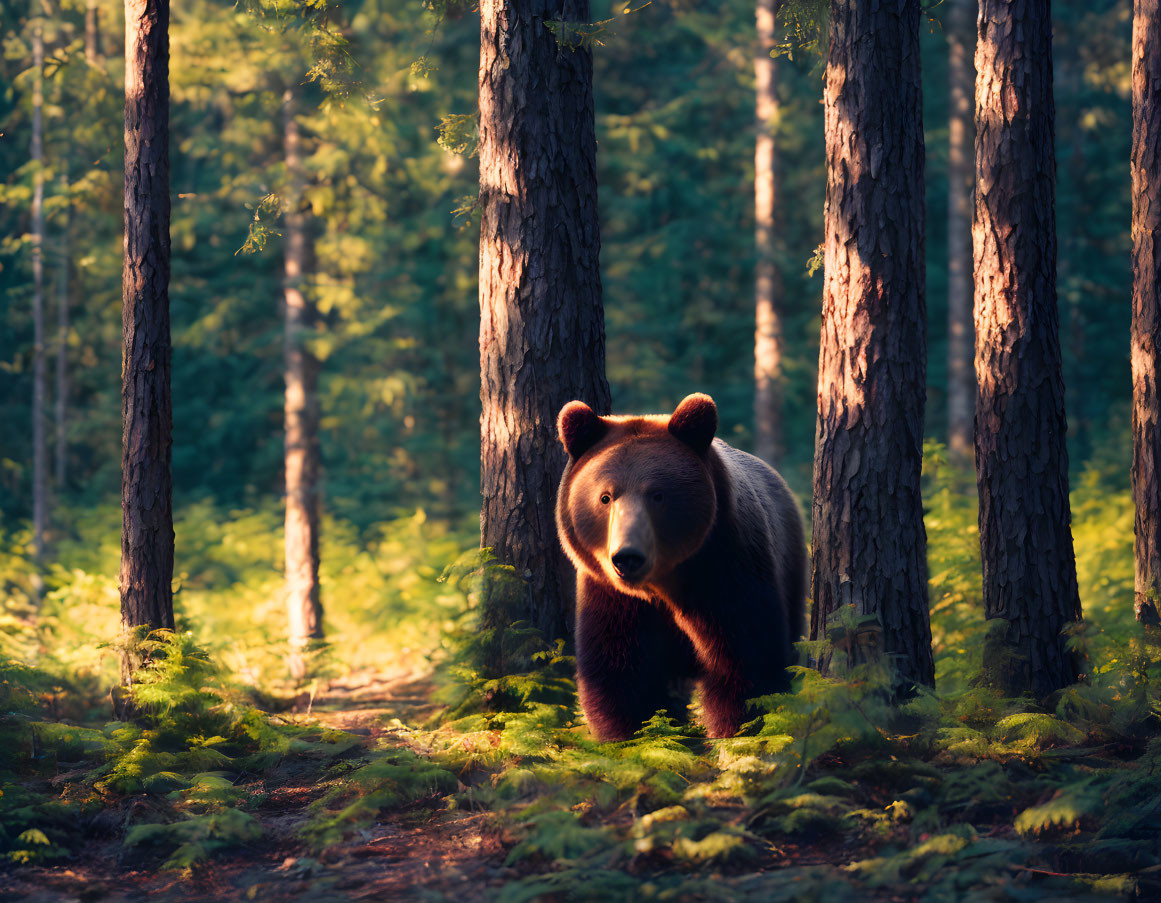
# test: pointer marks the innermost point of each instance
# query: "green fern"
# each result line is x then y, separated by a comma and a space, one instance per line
392, 780
198, 837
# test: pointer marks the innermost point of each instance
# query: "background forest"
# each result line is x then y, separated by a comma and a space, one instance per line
957, 794
395, 268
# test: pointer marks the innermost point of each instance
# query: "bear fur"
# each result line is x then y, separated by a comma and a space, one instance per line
691, 566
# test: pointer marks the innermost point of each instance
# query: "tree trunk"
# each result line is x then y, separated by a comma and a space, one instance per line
869, 540
961, 378
300, 414
62, 337
146, 479
542, 335
39, 454
768, 339
1146, 330
92, 34
1021, 456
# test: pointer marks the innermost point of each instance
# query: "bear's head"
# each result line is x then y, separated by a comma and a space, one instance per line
637, 496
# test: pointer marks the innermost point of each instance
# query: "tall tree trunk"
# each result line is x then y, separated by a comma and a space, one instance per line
300, 413
1146, 330
146, 406
60, 455
1021, 456
768, 339
92, 34
869, 540
961, 378
39, 455
542, 334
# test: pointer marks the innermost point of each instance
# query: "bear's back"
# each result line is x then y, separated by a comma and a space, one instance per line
765, 511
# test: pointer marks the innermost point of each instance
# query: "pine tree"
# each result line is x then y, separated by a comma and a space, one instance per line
1021, 456
542, 337
39, 394
961, 384
60, 451
147, 412
301, 414
92, 33
1146, 331
869, 541
768, 334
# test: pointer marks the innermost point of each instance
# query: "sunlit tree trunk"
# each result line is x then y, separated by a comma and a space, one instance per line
961, 377
1146, 330
869, 541
146, 479
39, 452
1021, 457
300, 413
92, 33
768, 333
542, 336
60, 456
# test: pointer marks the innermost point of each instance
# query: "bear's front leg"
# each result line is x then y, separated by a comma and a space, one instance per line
629, 654
723, 703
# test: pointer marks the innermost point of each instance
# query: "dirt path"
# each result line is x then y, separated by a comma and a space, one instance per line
415, 854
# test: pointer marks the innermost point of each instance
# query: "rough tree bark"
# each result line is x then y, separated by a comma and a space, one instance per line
768, 338
60, 451
147, 412
542, 336
1021, 457
300, 413
961, 377
1146, 328
869, 540
39, 456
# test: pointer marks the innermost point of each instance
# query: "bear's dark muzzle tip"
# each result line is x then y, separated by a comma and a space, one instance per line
628, 563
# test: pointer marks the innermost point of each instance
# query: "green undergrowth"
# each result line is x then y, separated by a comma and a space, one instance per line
183, 777
832, 789
388, 779
381, 597
181, 781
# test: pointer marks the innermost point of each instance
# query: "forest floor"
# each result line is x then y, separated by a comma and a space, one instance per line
422, 852
600, 822
418, 853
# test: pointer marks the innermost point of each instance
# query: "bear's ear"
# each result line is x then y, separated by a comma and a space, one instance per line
579, 428
695, 421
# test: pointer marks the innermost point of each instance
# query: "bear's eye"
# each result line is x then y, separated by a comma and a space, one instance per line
658, 497
605, 498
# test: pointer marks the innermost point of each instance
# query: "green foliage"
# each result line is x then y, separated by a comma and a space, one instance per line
35, 828
198, 837
1080, 801
805, 23
559, 837
498, 661
459, 133
183, 757
391, 780
261, 230
580, 35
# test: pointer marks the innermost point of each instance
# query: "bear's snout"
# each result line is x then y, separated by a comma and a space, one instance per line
630, 546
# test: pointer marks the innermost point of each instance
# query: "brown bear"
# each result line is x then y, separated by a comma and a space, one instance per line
691, 565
